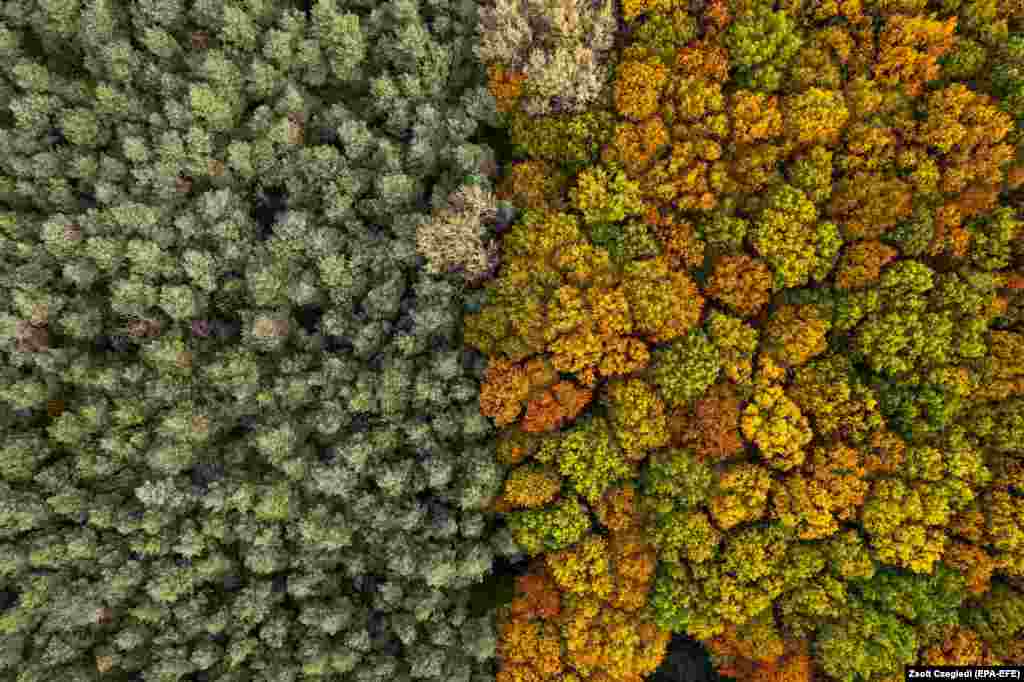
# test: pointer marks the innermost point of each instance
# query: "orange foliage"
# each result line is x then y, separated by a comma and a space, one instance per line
886, 452
556, 406
704, 58
950, 235
638, 87
909, 49
756, 651
796, 333
976, 564
746, 647
682, 248
506, 85
601, 639
977, 200
713, 428
533, 184
687, 143
862, 263
637, 145
529, 650
968, 129
960, 646
755, 116
635, 561
969, 524
797, 666
868, 204
619, 508
537, 596
506, 386
742, 282
716, 17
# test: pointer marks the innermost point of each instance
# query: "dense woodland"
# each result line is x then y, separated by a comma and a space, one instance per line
510, 340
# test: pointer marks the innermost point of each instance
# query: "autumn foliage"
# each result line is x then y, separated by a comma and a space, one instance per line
775, 274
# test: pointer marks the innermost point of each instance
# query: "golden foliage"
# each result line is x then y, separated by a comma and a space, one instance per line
960, 646
638, 88
909, 49
742, 495
796, 333
775, 424
755, 117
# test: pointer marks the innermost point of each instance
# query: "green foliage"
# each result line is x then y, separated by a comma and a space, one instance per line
552, 528
684, 369
925, 600
625, 242
761, 43
725, 232
870, 645
571, 139
604, 196
226, 341
917, 412
965, 61
992, 238
588, 456
996, 617
913, 236
789, 236
666, 33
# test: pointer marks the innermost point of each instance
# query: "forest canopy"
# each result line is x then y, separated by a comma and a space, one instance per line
506, 340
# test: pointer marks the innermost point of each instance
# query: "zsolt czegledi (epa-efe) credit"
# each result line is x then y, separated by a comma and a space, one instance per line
965, 672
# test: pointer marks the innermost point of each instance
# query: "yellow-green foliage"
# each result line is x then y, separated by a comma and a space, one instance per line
676, 479
588, 456
551, 528
637, 415
584, 569
795, 243
665, 303
775, 424
603, 197
685, 369
532, 486
740, 494
564, 138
